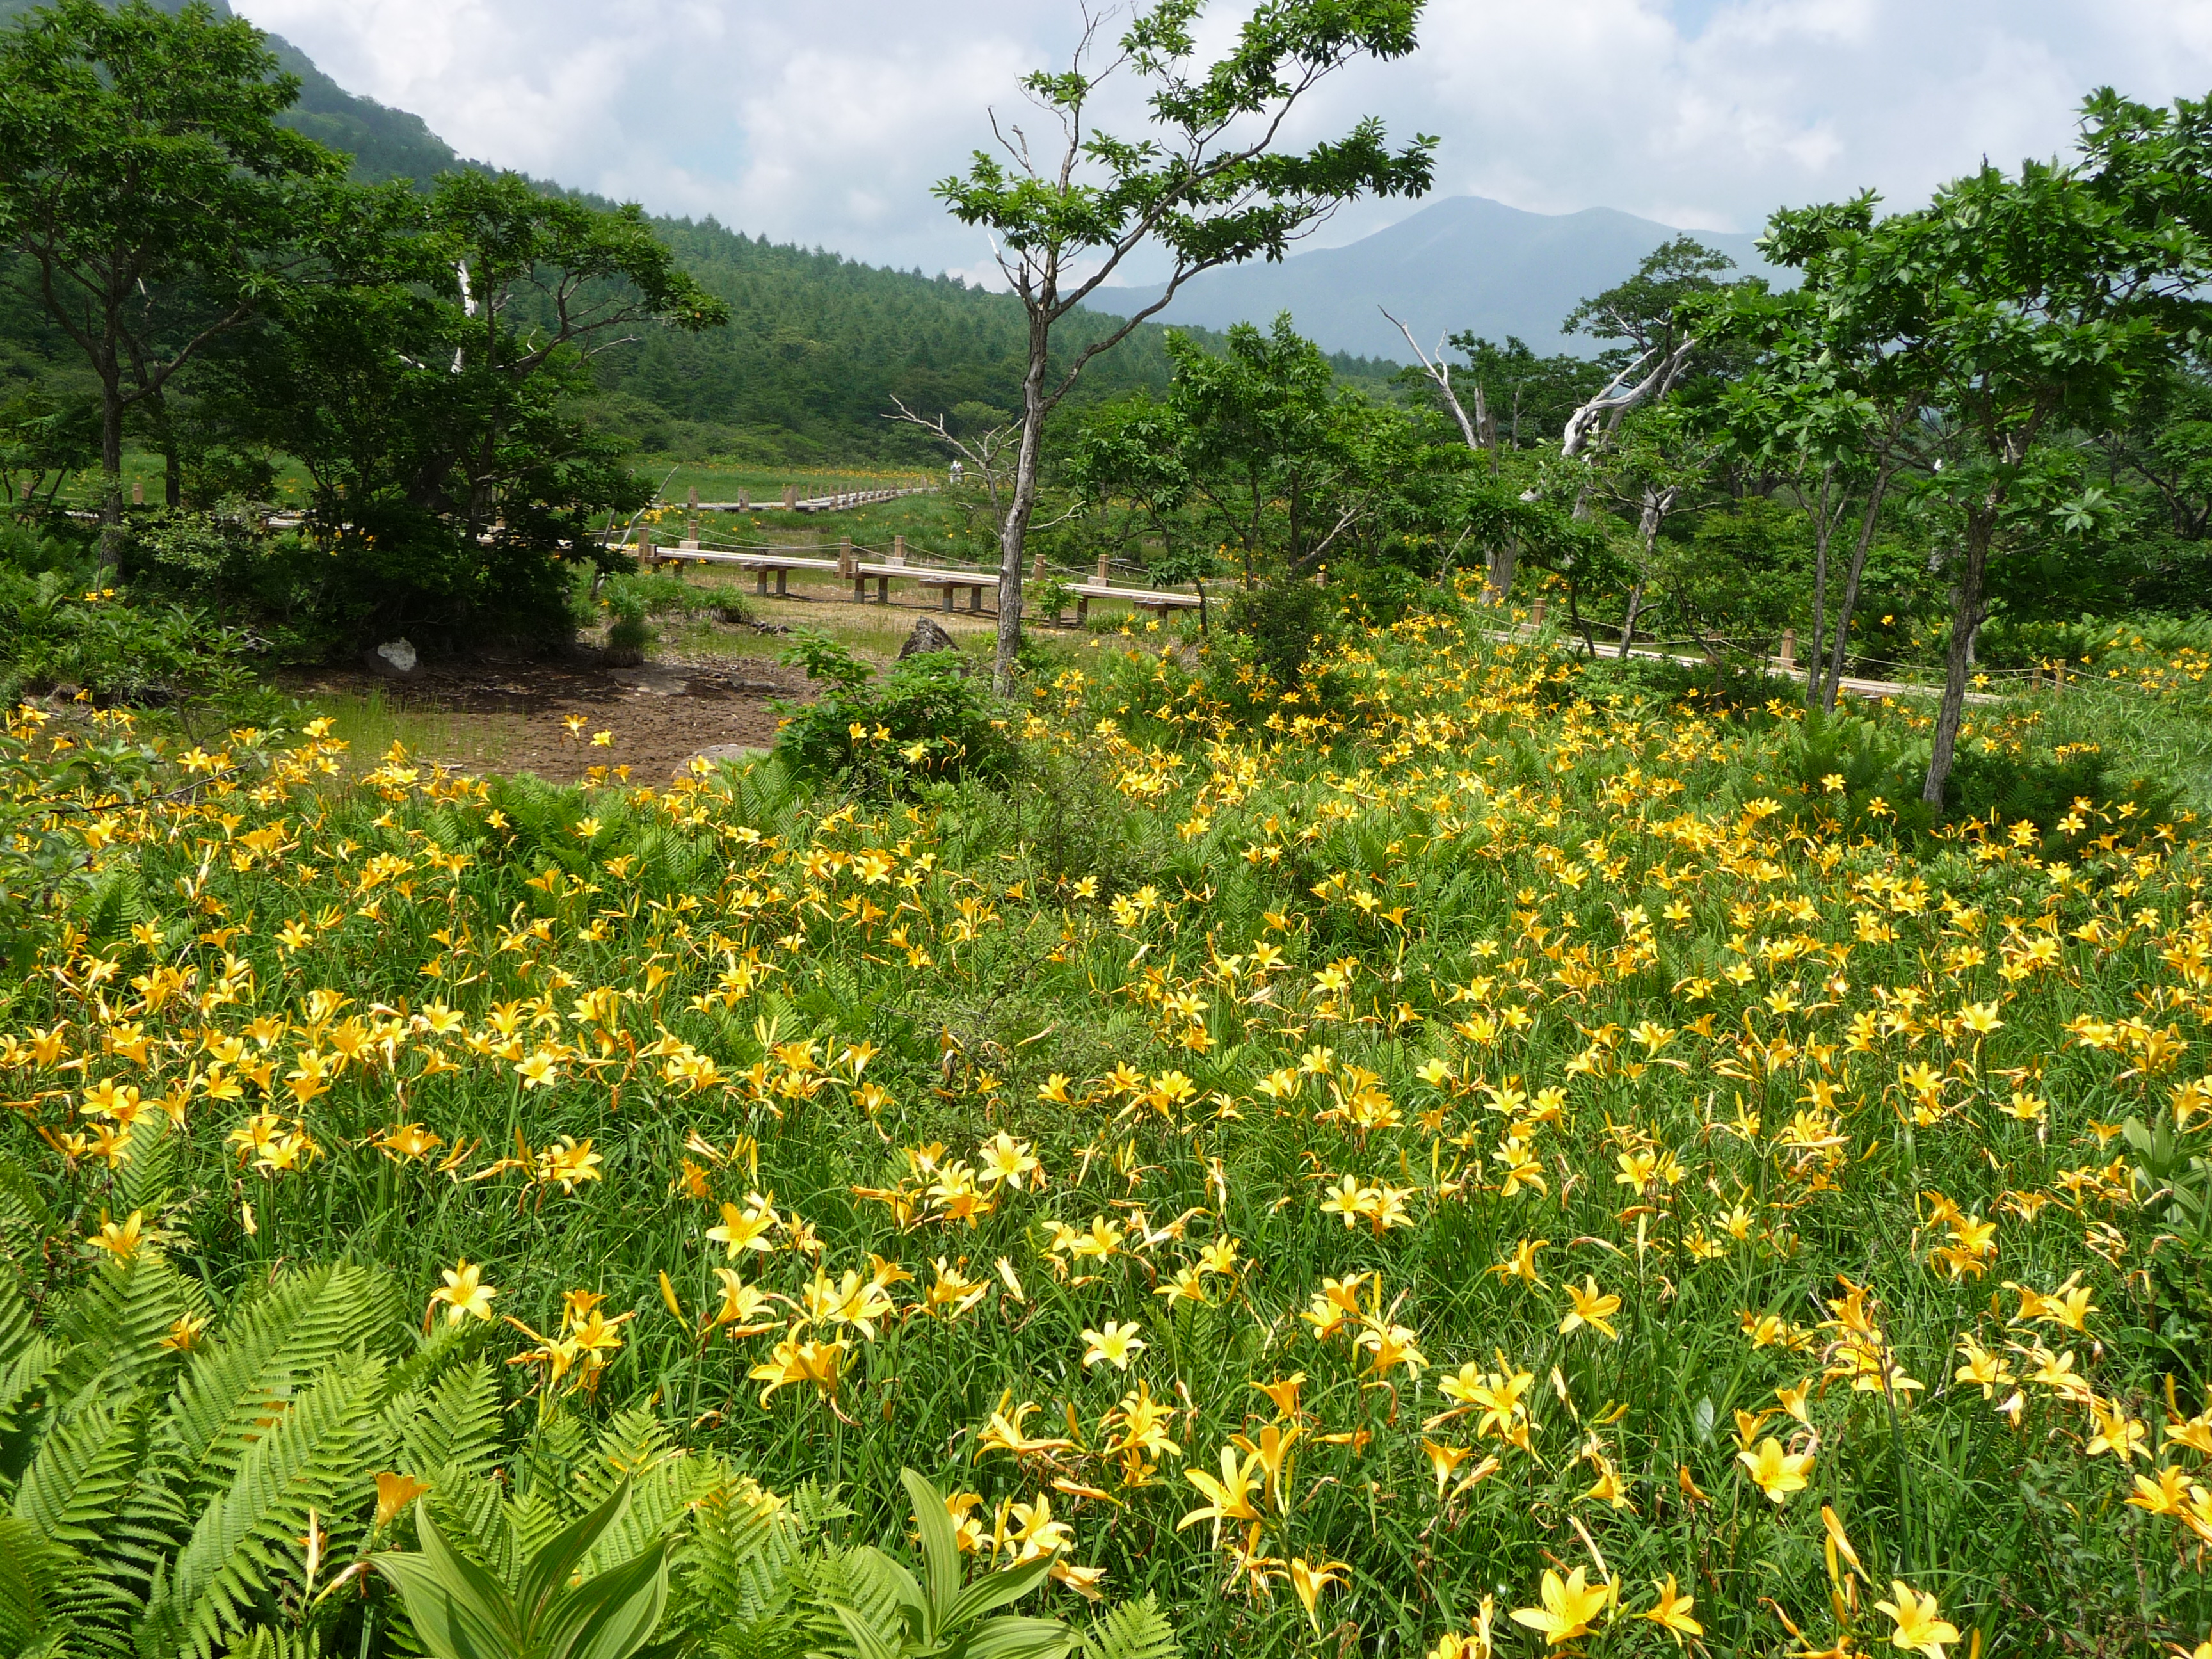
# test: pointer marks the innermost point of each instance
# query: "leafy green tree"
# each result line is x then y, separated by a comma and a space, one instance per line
1255, 450
1623, 445
435, 395
2018, 307
42, 440
151, 198
1210, 187
1826, 405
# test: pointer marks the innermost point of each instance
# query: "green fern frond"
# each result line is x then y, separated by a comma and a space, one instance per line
25, 1382
863, 1579
738, 1559
1135, 1630
810, 1506
31, 1568
122, 1316
659, 1499
445, 1347
551, 1459
634, 1446
453, 1430
300, 1324
470, 1513
24, 1215
76, 1486
632, 1442
247, 1537
534, 1520
268, 1641
143, 1181
15, 1332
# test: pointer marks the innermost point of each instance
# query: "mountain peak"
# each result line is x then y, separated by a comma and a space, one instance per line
1464, 262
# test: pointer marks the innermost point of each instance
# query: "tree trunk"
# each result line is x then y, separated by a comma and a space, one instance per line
1628, 627
1657, 503
111, 468
1850, 599
1966, 608
1499, 580
1823, 528
1014, 532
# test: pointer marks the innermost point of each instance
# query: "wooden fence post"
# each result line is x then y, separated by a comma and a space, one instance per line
845, 560
646, 554
137, 492
745, 501
1105, 567
790, 497
898, 548
1789, 650
1536, 615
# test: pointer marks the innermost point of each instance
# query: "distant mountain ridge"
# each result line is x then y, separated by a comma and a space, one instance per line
1465, 262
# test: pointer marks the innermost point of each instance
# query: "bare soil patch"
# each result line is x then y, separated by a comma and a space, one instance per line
490, 715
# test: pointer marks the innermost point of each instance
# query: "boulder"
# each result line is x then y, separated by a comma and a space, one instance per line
394, 659
927, 636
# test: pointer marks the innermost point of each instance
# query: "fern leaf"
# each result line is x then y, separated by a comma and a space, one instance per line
16, 1328
23, 1206
632, 1441
300, 1324
143, 1181
659, 1500
75, 1487
247, 1537
455, 1429
634, 1447
267, 1641
740, 1554
470, 1513
1135, 1630
31, 1569
25, 1381
535, 1519
122, 1315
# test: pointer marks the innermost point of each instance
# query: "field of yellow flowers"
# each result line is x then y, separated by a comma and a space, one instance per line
1448, 1169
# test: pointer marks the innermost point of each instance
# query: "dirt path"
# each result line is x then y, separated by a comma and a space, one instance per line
490, 716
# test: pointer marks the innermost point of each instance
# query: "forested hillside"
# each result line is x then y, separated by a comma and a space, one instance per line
817, 346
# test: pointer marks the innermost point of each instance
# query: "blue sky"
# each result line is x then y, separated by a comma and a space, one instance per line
826, 123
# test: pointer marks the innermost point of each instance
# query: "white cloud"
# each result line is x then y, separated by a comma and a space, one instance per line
827, 123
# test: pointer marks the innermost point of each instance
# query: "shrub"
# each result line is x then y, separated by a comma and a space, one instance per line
1282, 624
926, 718
64, 632
1378, 594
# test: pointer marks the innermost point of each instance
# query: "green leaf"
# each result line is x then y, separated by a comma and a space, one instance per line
453, 1612
996, 1590
615, 1615
868, 1643
1013, 1638
1135, 1630
548, 1571
940, 1553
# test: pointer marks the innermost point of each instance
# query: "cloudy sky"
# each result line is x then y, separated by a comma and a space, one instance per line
825, 123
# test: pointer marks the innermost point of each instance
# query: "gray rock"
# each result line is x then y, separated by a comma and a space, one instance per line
395, 660
732, 753
927, 637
